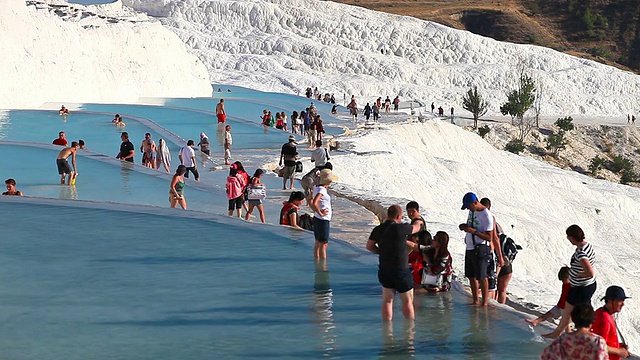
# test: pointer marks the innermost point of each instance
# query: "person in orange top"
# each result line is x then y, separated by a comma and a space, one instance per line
289, 213
605, 325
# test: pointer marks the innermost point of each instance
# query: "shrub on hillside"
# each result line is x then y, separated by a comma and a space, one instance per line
565, 124
556, 142
515, 146
600, 51
620, 163
596, 165
483, 130
627, 176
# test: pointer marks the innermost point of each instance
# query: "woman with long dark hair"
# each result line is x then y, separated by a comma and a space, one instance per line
438, 263
256, 193
176, 189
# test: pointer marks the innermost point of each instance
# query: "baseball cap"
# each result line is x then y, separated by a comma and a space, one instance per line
292, 138
468, 199
615, 293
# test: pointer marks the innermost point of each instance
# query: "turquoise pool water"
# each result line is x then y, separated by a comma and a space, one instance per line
78, 283
101, 279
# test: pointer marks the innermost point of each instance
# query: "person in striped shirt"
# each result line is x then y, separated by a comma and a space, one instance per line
581, 277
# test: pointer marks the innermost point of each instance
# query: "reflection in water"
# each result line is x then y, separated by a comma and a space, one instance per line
393, 348
434, 318
125, 171
220, 134
69, 192
476, 342
322, 309
5, 122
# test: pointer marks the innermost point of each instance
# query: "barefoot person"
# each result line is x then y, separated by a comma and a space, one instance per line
581, 276
148, 149
187, 158
163, 159
479, 234
321, 206
176, 189
288, 156
389, 241
556, 311
221, 114
256, 193
63, 165
228, 141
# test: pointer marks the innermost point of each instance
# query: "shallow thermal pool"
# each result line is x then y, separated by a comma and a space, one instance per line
104, 269
82, 281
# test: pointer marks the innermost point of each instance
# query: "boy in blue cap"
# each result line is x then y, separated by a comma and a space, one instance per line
479, 230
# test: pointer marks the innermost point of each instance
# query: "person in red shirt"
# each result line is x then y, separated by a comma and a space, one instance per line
556, 311
605, 325
61, 140
289, 213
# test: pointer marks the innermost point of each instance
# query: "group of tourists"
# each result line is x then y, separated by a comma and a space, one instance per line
408, 264
410, 259
308, 123
373, 110
441, 110
317, 95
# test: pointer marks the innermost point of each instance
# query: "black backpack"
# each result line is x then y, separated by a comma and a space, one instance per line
509, 248
299, 168
306, 222
245, 193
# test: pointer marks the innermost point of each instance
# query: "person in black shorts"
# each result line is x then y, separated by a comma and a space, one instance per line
389, 241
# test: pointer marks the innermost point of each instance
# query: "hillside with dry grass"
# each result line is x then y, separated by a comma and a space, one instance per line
603, 30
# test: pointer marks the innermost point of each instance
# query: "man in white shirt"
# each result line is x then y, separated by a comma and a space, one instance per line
188, 158
479, 234
320, 155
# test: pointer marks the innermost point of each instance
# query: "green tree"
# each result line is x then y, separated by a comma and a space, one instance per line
475, 104
587, 19
518, 103
565, 124
556, 142
620, 163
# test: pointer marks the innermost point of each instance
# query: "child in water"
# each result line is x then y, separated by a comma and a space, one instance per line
556, 311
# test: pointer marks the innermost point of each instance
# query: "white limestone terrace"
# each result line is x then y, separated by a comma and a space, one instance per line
534, 202
288, 45
71, 53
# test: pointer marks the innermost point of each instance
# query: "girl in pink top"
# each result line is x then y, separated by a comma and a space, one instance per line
235, 185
